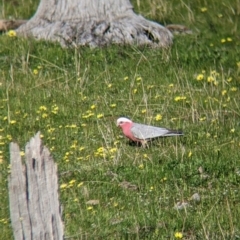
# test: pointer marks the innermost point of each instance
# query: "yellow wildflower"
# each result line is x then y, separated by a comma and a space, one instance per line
51, 130
12, 33
210, 79
141, 166
43, 108
150, 86
35, 71
62, 186
163, 179
113, 105
9, 137
203, 9
100, 115
73, 146
93, 107
80, 184
178, 235
202, 119
233, 89
224, 92
190, 154
232, 130
158, 117
200, 77
113, 150
1, 159
55, 109
214, 73
100, 150
179, 98
134, 90
72, 181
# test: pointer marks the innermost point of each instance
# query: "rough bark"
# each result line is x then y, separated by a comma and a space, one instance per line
33, 193
94, 23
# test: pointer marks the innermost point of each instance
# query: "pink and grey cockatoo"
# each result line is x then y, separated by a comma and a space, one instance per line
141, 133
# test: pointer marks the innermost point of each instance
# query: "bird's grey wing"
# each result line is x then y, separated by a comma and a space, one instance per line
144, 132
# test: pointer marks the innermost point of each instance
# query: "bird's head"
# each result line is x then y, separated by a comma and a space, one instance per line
123, 121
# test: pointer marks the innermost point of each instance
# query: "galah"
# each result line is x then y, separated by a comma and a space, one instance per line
141, 133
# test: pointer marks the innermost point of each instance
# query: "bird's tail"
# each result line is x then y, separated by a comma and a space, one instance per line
174, 133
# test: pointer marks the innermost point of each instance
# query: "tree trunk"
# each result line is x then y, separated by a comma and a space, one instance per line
93, 23
33, 193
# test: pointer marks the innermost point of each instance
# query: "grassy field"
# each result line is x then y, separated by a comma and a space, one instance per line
74, 96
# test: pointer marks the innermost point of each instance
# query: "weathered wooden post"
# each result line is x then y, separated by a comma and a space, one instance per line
33, 193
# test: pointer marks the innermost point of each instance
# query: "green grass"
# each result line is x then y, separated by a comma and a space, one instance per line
75, 97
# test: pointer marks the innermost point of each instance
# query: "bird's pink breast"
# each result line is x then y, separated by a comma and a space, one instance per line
126, 128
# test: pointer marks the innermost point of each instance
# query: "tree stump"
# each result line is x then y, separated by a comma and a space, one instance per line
94, 23
33, 193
